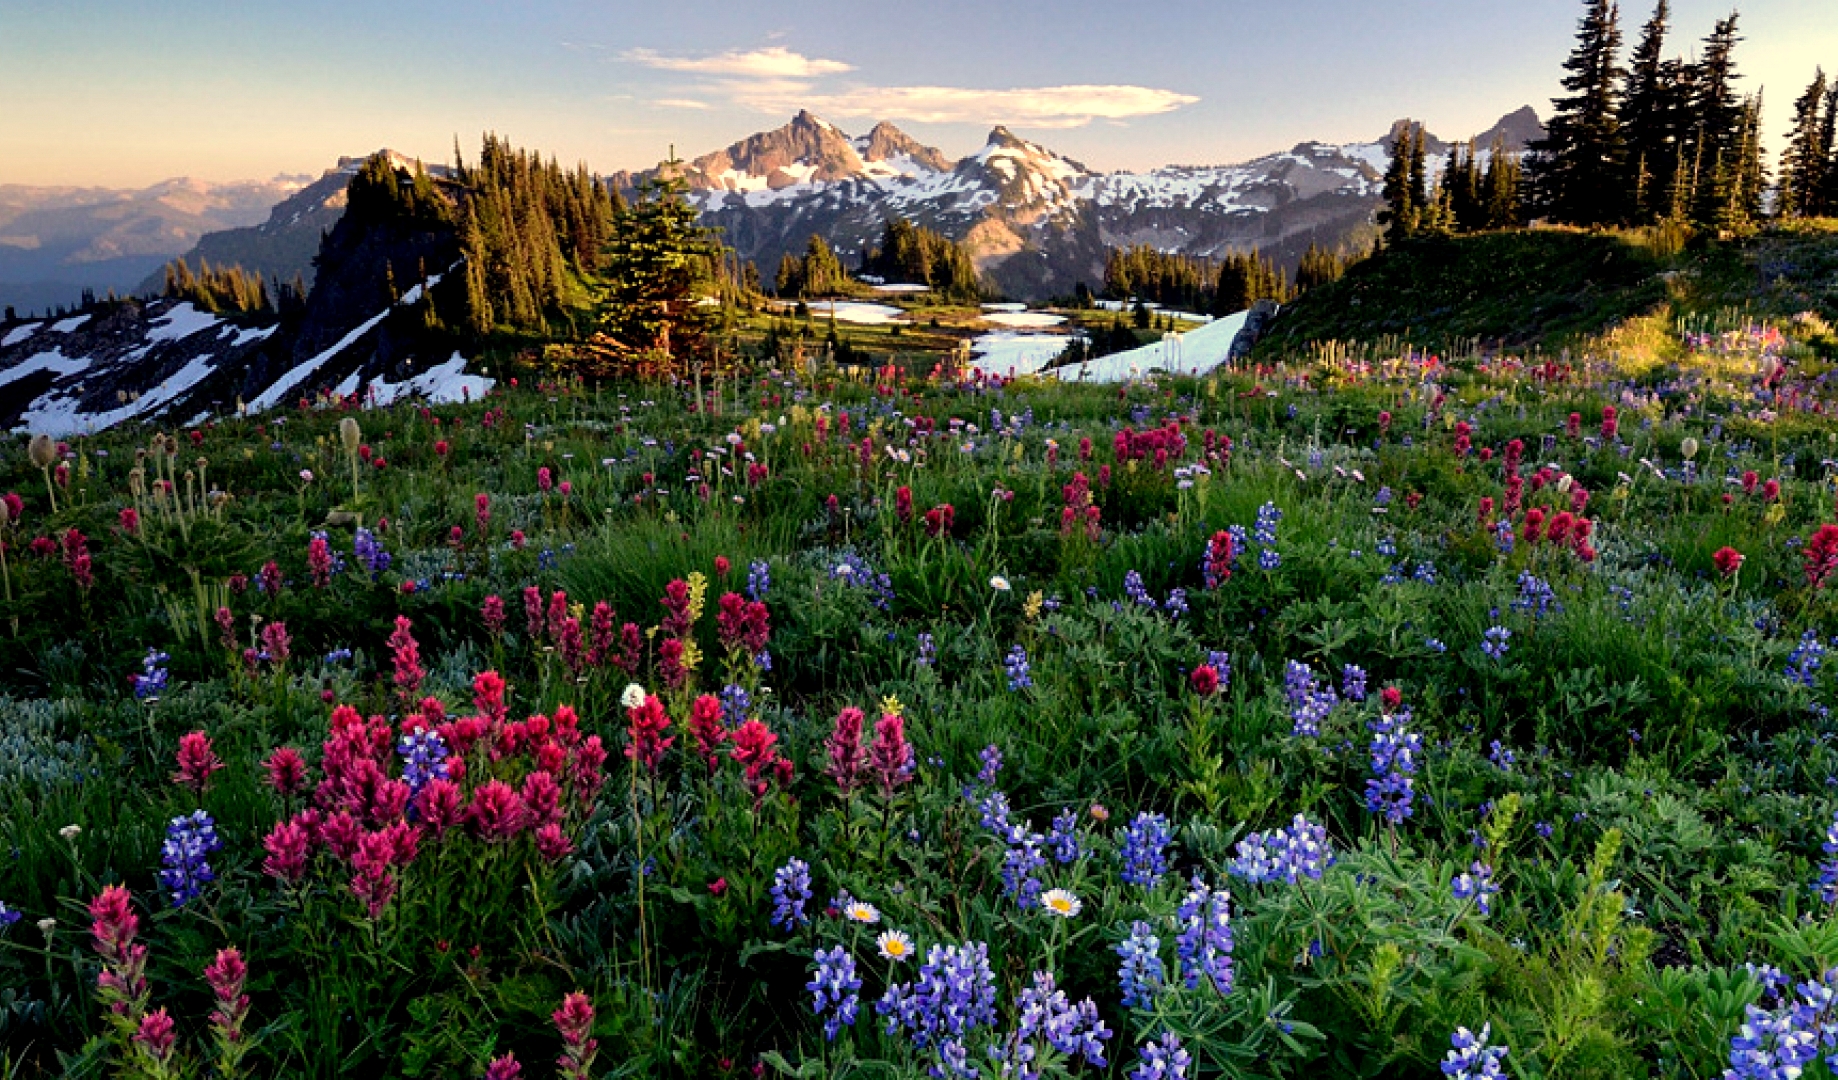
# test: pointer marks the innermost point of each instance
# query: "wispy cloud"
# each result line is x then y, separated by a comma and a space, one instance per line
775, 79
775, 61
1039, 106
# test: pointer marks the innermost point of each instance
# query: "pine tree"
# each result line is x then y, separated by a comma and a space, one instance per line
1806, 159
659, 266
1828, 142
1648, 122
1577, 169
1501, 187
1399, 216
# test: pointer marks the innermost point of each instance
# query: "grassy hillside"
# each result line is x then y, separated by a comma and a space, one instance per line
1554, 289
1512, 288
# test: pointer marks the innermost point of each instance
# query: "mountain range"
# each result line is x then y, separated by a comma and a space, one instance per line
1036, 222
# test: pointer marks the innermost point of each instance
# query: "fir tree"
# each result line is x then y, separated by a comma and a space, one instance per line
1399, 216
1577, 169
1650, 121
1501, 187
658, 268
1807, 159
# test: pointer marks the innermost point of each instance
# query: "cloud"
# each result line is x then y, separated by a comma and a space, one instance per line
1039, 107
775, 61
775, 79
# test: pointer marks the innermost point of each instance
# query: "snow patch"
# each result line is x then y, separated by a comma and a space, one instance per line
444, 383
1193, 353
857, 312
902, 288
1006, 354
1024, 320
19, 333
67, 325
275, 394
182, 321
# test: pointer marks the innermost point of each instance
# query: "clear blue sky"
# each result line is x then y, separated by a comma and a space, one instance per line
111, 93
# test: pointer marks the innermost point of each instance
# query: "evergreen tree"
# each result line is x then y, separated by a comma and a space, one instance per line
1806, 160
658, 268
1828, 141
1501, 187
1649, 120
1577, 169
1399, 215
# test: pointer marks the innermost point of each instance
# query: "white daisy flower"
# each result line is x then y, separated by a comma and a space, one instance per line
1061, 903
862, 912
894, 946
633, 697
999, 583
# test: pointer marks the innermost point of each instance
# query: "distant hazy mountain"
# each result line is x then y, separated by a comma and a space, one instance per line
284, 244
1036, 221
55, 241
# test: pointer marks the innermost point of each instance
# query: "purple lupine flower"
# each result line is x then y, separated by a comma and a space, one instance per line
1162, 1060
835, 990
1063, 839
1395, 750
424, 758
953, 995
1471, 1058
992, 764
1477, 885
1141, 976
1021, 869
759, 579
189, 839
1353, 682
1299, 851
928, 651
791, 890
1204, 945
1073, 1030
1310, 703
1134, 589
1016, 666
1828, 870
1145, 843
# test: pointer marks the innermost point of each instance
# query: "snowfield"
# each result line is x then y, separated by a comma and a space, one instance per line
1010, 354
1193, 353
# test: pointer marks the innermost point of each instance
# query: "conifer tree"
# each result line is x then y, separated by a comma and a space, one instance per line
658, 268
1806, 160
1828, 141
1399, 215
1577, 169
1649, 120
1501, 187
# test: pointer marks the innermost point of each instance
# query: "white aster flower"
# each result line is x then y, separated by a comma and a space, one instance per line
895, 946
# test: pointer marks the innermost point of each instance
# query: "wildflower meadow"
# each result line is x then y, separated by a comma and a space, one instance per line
1402, 717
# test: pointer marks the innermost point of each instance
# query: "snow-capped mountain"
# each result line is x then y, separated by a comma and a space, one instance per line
1036, 221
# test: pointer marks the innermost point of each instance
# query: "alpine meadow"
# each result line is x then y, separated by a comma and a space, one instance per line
831, 608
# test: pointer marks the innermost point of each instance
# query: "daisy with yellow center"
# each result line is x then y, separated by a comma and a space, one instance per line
1061, 903
894, 945
863, 913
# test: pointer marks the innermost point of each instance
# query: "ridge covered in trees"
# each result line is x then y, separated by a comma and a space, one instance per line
1649, 140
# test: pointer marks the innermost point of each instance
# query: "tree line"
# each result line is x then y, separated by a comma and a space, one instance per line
907, 254
1672, 139
1219, 286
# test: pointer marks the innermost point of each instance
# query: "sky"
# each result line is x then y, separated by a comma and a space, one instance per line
104, 93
